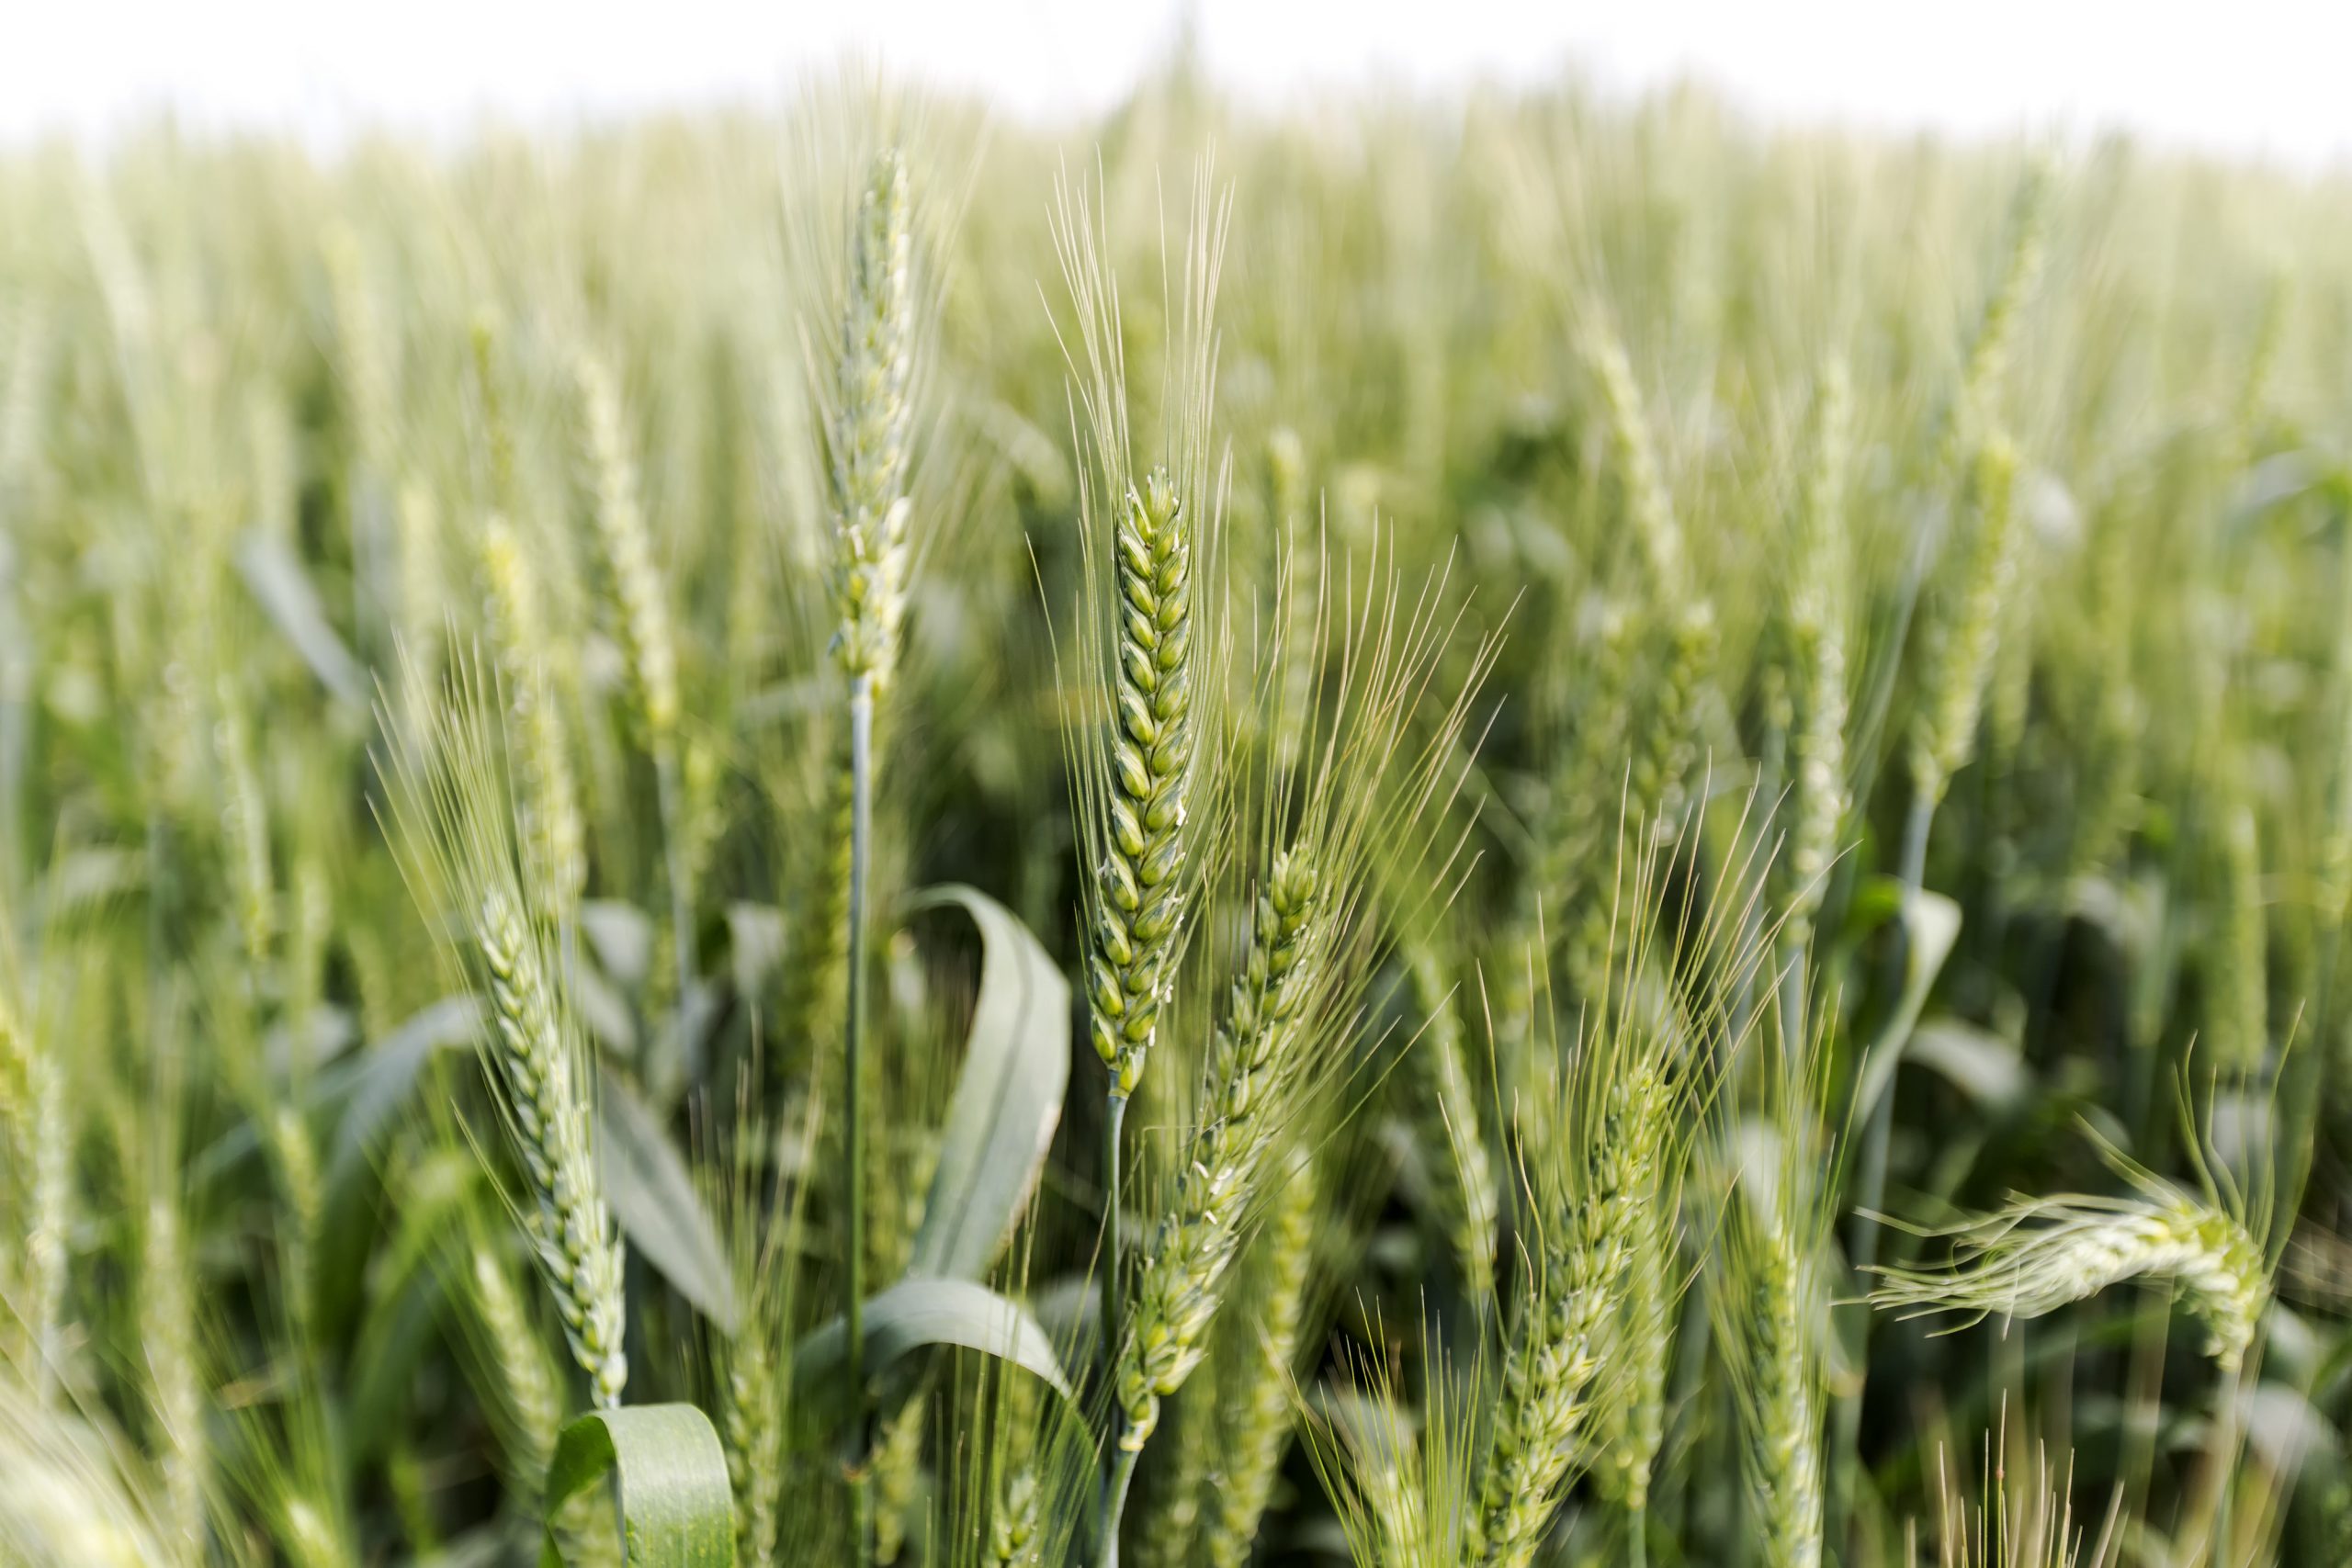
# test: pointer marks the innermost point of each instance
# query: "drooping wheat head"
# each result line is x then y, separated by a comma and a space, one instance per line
2039, 1254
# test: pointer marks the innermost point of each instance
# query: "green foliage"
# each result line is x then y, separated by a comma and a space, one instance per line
1490, 684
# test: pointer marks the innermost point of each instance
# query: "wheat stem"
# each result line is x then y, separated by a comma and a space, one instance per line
860, 729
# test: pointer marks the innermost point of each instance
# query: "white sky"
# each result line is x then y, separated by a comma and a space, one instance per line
2262, 76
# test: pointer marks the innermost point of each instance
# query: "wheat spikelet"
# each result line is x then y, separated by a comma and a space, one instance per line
245, 819
1545, 1399
417, 526
1142, 771
754, 1441
869, 430
51, 1213
1663, 747
1256, 1418
1297, 567
1447, 1125
1960, 651
1634, 1418
1606, 1137
452, 806
1183, 1279
816, 989
1584, 788
1015, 1539
1782, 1388
549, 816
1815, 667
368, 353
1648, 507
1143, 882
619, 515
2014, 292
896, 1465
71, 1491
538, 1069
530, 1401
167, 1335
1401, 1476
1361, 814
39, 1123
1769, 1301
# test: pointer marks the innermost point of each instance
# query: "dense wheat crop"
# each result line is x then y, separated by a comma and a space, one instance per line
1533, 831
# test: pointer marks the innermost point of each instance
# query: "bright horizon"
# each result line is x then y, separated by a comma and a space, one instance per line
2267, 85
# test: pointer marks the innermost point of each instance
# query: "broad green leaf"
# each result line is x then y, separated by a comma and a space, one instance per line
1930, 926
383, 1074
1008, 1098
756, 937
1980, 1063
386, 1075
622, 938
670, 1488
915, 1315
655, 1201
290, 600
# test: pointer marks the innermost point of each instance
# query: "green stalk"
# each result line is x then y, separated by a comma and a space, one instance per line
860, 842
1870, 1194
1114, 1496
681, 925
1114, 1118
1793, 998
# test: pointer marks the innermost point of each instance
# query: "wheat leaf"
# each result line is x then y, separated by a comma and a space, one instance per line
653, 1197
670, 1488
1008, 1098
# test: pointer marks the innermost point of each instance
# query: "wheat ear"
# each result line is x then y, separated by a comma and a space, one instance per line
1256, 1422
2039, 1254
1447, 1125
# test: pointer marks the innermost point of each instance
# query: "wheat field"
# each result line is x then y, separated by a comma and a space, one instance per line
1444, 831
